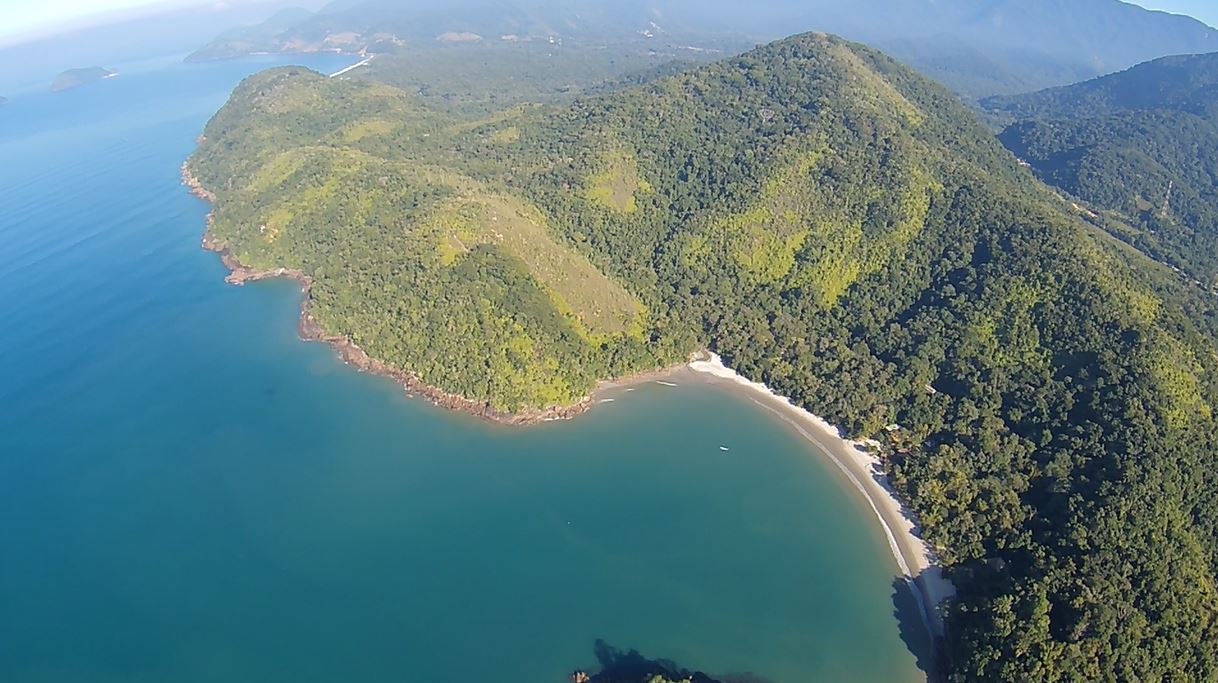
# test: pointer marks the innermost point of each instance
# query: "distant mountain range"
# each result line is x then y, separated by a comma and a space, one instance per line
1142, 143
976, 47
380, 26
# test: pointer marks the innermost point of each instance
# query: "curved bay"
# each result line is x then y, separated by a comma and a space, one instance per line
188, 492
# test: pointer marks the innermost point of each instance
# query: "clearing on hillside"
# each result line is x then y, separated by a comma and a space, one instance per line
617, 187
601, 306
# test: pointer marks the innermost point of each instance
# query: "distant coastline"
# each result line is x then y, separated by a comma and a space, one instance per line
74, 78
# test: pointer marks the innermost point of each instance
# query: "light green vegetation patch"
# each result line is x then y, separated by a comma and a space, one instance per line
1175, 370
617, 186
1112, 273
871, 91
1007, 334
275, 223
311, 181
492, 123
840, 250
1173, 366
369, 128
798, 234
505, 136
276, 171
600, 305
763, 240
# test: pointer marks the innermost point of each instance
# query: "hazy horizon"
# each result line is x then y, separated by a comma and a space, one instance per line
1205, 11
26, 22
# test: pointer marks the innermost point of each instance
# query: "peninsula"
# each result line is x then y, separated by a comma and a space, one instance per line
73, 78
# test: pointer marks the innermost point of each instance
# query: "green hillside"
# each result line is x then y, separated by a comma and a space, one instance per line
834, 225
1141, 144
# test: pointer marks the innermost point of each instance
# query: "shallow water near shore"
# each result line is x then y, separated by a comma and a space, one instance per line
188, 492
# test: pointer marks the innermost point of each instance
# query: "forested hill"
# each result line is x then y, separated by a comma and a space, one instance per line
1181, 82
1142, 144
984, 47
834, 225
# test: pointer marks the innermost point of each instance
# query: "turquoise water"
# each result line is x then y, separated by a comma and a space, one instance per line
188, 492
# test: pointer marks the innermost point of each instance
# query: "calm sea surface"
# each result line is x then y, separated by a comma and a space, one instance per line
188, 492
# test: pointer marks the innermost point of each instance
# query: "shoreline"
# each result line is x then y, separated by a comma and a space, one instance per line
917, 562
351, 354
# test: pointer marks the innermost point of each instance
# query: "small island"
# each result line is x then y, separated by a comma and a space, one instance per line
3, 101
73, 78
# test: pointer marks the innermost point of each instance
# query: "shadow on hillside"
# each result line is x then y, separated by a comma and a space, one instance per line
880, 477
913, 628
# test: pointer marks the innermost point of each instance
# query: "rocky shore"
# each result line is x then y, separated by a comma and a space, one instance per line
353, 355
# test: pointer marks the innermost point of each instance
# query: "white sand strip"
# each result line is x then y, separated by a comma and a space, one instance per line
354, 66
915, 559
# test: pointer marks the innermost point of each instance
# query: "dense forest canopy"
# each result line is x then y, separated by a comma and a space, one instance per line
1141, 146
834, 225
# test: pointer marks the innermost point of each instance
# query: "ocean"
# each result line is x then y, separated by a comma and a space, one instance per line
189, 492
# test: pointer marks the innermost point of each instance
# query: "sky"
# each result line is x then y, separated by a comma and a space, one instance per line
25, 19
1205, 10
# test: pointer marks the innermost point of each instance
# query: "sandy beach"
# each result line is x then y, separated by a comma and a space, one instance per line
863, 470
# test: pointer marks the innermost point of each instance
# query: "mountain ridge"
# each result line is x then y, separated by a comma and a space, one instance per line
1137, 145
